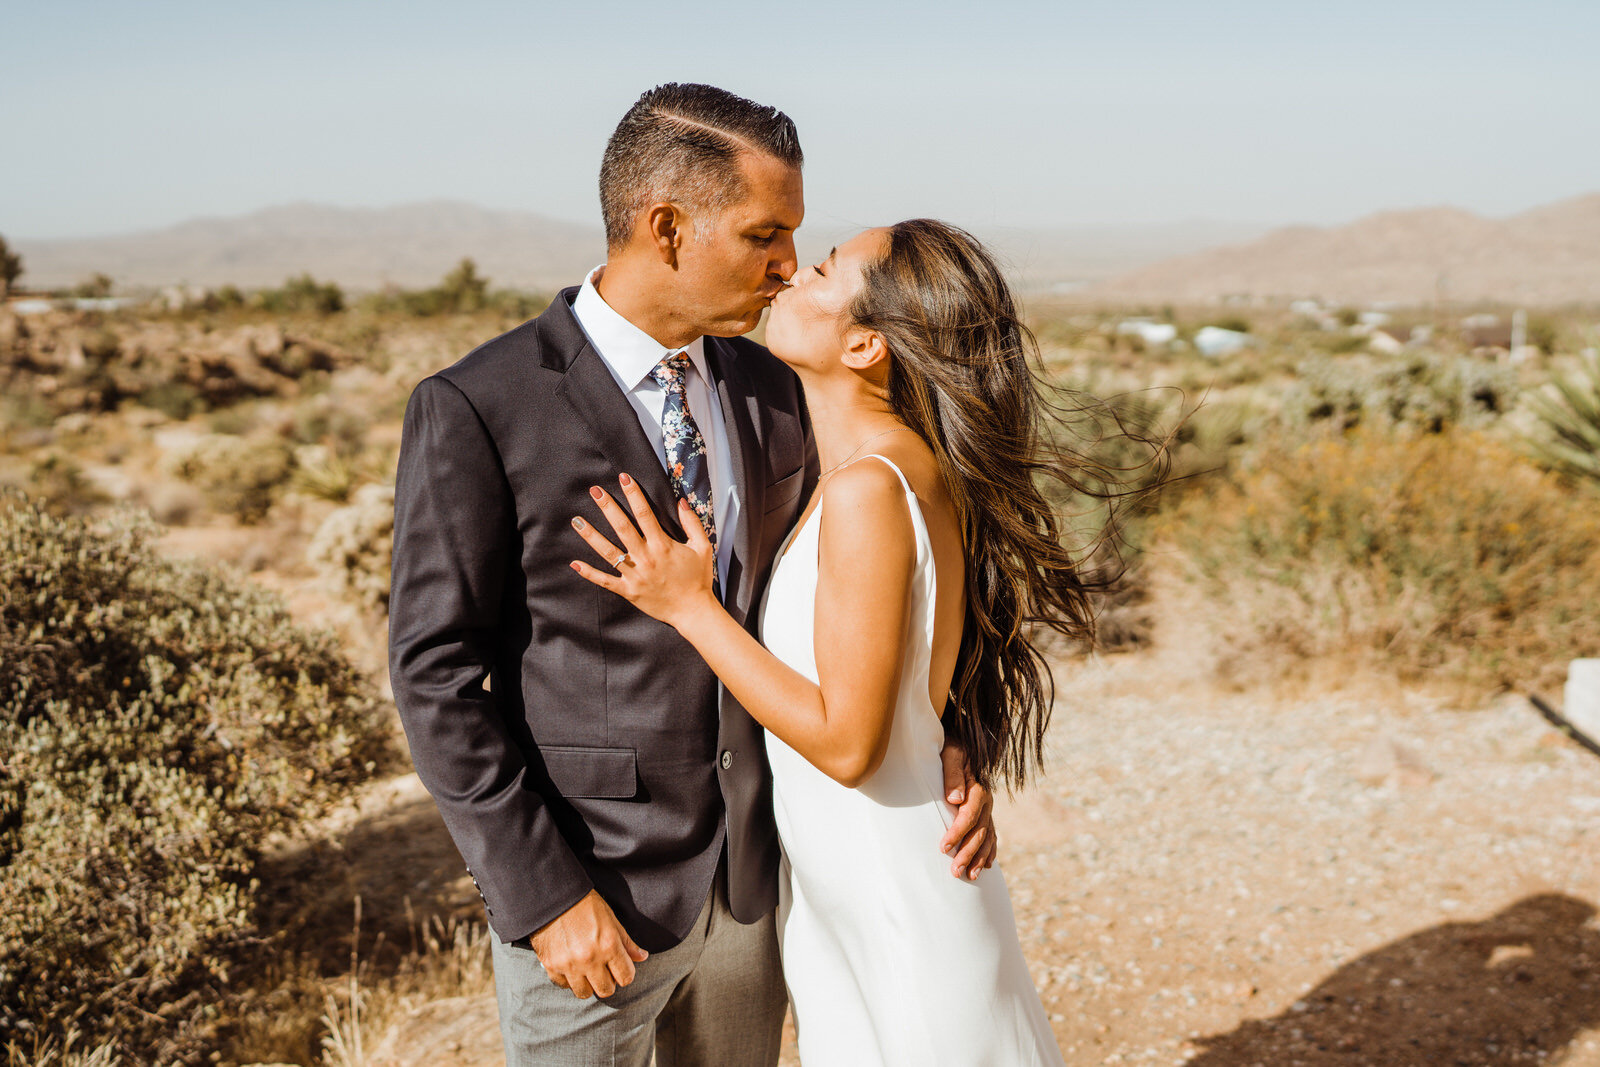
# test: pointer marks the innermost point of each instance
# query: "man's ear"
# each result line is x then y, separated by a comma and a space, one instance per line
864, 349
666, 224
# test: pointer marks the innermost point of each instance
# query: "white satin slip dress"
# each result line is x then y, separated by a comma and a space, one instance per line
890, 960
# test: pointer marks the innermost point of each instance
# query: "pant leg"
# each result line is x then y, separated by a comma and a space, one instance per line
728, 1011
546, 1026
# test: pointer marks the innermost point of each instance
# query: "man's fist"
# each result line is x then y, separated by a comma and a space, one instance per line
586, 950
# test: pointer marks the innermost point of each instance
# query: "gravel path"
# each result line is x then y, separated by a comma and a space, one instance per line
1232, 879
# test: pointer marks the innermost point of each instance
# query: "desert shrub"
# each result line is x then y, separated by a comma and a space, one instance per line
327, 420
1424, 391
1569, 416
1437, 556
176, 400
353, 545
325, 474
58, 482
10, 267
461, 291
94, 286
238, 476
157, 720
302, 293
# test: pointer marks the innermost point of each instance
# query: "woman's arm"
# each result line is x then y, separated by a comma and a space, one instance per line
867, 557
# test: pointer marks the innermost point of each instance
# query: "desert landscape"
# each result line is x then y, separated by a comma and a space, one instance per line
1299, 808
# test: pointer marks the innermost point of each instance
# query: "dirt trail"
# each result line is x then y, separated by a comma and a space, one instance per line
1230, 879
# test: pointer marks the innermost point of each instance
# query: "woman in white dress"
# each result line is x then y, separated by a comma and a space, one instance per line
902, 598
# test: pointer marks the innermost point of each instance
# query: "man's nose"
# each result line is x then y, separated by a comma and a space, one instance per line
784, 262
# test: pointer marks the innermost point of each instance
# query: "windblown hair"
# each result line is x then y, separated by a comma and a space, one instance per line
680, 143
963, 376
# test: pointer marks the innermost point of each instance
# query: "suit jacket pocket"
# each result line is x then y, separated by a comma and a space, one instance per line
592, 772
784, 490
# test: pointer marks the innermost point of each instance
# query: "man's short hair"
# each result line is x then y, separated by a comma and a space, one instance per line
680, 143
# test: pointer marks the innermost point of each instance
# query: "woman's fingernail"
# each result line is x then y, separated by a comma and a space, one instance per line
577, 522
961, 872
949, 849
596, 492
955, 796
626, 480
573, 564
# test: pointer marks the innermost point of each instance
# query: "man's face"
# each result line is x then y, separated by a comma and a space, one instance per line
733, 264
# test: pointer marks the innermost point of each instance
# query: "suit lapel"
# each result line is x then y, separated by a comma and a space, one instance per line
588, 386
735, 394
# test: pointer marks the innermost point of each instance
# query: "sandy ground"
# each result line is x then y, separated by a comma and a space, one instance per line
1230, 879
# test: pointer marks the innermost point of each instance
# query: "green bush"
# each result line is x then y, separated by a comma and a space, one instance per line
174, 399
157, 721
1443, 556
302, 294
239, 477
1423, 391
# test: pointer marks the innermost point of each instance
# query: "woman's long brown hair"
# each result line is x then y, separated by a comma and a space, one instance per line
966, 376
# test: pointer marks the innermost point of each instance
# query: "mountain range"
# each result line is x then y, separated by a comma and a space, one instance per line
415, 244
1547, 255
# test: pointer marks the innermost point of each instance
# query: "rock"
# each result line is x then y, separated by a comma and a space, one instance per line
173, 503
1582, 697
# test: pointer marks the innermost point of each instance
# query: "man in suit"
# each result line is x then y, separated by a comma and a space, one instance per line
611, 801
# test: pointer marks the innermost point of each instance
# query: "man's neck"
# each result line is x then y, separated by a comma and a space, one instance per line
628, 292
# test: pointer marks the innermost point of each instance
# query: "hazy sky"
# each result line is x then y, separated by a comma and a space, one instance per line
123, 116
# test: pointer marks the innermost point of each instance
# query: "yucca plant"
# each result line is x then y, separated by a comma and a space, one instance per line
1570, 413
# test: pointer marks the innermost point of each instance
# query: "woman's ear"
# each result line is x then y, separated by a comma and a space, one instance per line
864, 349
666, 224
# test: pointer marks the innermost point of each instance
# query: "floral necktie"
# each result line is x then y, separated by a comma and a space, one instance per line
685, 449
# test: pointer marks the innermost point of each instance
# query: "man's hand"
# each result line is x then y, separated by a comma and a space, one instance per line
586, 949
971, 837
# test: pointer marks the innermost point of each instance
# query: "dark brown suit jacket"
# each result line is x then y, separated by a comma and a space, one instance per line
602, 752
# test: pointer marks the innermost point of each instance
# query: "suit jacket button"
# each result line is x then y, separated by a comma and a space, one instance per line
727, 759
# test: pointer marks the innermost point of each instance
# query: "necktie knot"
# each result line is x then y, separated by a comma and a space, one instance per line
672, 372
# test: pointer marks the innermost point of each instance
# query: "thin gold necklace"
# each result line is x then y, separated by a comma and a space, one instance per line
858, 448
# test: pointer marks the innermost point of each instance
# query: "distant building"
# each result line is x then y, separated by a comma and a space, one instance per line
1152, 333
1215, 342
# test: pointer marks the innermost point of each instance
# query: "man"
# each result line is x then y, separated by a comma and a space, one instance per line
611, 801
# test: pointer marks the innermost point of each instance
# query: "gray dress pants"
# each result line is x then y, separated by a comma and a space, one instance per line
716, 999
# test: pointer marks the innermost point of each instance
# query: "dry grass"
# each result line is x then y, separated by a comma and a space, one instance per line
358, 1018
364, 1018
1444, 559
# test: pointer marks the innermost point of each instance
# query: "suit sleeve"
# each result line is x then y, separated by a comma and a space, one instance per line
454, 542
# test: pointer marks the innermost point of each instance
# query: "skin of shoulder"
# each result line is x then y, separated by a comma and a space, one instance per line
866, 560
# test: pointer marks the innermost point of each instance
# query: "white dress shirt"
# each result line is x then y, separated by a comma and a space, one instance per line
630, 355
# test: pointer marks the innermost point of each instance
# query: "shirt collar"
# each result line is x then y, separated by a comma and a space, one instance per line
630, 352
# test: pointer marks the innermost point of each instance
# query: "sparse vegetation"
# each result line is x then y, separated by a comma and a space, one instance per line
239, 477
1422, 391
1442, 557
158, 720
301, 294
94, 287
10, 267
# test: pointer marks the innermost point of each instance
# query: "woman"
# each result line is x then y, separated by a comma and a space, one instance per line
903, 595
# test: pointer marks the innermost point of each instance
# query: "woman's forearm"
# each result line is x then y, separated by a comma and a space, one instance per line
780, 698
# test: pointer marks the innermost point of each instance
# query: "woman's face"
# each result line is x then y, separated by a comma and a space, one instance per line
806, 325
